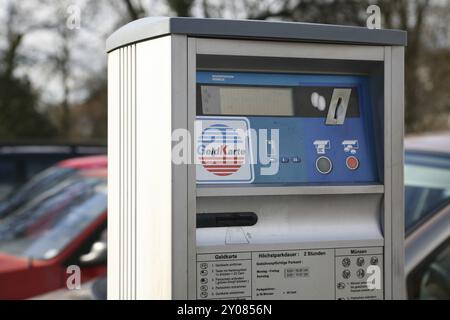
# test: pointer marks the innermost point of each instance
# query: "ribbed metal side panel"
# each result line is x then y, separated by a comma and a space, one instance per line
122, 157
140, 228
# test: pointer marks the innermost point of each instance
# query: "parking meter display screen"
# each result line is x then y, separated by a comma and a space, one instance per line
245, 100
299, 101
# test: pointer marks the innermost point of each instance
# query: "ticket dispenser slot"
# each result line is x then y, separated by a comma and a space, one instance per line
222, 220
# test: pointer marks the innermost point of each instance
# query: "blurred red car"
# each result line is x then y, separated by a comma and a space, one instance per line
63, 223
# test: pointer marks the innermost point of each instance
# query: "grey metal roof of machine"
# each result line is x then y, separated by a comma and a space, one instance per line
152, 27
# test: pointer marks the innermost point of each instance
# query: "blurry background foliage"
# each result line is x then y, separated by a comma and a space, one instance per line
53, 78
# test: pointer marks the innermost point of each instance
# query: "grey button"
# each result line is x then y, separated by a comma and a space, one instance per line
324, 165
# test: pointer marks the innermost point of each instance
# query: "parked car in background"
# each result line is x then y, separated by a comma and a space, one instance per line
427, 220
18, 163
47, 179
61, 225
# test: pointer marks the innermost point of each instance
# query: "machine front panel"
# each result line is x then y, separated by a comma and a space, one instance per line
322, 123
286, 129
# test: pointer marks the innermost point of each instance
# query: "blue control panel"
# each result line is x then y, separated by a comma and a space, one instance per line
325, 133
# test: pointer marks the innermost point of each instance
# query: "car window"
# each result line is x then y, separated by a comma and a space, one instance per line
41, 183
48, 223
34, 166
427, 186
431, 281
7, 177
7, 171
16, 170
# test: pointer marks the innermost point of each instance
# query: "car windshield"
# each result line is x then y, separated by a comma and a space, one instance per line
44, 226
427, 186
37, 185
7, 176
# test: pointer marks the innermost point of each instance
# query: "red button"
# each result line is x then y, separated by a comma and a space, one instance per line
352, 163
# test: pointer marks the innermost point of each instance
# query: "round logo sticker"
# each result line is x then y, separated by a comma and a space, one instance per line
221, 150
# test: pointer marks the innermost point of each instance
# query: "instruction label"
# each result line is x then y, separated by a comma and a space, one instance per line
224, 276
326, 274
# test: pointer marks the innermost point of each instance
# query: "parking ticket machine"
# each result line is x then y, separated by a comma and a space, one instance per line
255, 160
